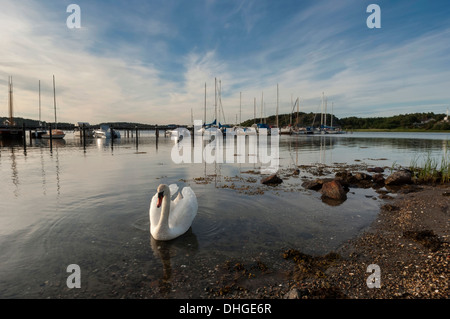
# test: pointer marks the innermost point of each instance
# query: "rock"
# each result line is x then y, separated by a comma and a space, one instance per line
378, 178
362, 176
324, 180
314, 185
375, 170
271, 180
346, 178
334, 190
399, 178
294, 293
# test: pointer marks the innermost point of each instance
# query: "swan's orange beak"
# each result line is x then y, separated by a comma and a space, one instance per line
160, 197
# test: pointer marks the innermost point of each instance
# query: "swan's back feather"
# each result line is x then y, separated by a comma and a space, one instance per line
185, 209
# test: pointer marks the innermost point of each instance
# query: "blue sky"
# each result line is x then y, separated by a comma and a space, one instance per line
148, 61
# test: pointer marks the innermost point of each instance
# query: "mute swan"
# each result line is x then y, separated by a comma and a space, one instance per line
170, 219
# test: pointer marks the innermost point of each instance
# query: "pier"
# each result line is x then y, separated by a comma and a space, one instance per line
24, 133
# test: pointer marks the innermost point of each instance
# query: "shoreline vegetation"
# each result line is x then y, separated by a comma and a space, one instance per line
414, 122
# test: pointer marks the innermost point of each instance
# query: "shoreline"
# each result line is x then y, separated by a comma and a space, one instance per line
409, 241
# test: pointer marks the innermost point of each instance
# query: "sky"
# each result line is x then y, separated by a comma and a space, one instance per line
149, 61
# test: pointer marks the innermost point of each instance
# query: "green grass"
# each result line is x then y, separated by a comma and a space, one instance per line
431, 169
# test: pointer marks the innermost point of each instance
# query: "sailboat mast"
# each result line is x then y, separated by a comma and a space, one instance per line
54, 101
254, 110
277, 105
39, 102
321, 115
240, 107
262, 97
290, 115
215, 99
332, 114
220, 101
11, 120
204, 116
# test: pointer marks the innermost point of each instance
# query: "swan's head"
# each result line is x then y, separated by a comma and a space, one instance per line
161, 191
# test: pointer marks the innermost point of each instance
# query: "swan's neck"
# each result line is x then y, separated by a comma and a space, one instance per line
165, 210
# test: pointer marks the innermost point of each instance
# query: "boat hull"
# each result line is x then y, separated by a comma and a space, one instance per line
56, 134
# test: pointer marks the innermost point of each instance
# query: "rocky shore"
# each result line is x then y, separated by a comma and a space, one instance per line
408, 244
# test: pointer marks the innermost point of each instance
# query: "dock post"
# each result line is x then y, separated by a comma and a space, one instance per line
112, 135
84, 136
24, 138
156, 131
137, 138
31, 138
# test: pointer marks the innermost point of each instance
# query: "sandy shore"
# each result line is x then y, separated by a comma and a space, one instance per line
409, 242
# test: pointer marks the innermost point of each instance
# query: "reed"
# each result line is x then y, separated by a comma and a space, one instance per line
431, 169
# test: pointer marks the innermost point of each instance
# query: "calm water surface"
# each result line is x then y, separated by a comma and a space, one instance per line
89, 206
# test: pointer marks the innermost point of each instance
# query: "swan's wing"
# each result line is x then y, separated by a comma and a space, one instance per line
184, 212
176, 200
173, 189
190, 196
154, 211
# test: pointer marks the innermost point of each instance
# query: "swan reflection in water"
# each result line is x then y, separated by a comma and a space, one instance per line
167, 251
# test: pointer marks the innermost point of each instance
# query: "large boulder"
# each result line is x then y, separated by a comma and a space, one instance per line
399, 178
315, 184
333, 190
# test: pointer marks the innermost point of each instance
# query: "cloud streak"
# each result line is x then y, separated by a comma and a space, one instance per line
149, 61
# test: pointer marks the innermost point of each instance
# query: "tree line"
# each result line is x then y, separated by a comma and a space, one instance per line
424, 121
421, 121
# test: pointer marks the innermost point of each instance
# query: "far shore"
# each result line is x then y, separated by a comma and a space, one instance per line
397, 130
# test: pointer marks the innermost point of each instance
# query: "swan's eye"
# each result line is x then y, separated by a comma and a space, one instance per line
160, 194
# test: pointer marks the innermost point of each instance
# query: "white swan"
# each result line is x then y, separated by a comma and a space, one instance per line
170, 219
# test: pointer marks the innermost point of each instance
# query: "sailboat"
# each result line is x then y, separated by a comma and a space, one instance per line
9, 129
55, 133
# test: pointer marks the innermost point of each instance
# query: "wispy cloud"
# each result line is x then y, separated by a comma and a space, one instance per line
149, 61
